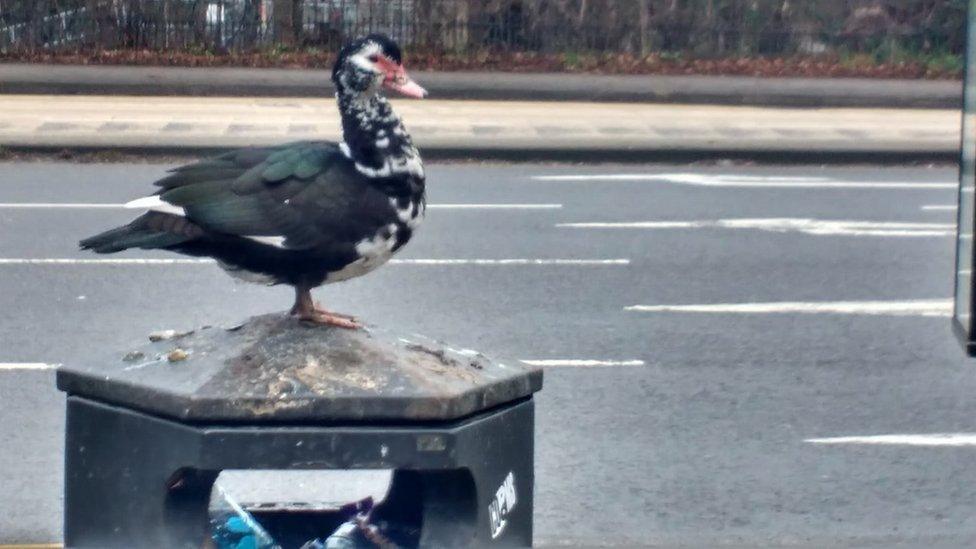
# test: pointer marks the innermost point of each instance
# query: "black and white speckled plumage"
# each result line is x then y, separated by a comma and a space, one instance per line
304, 213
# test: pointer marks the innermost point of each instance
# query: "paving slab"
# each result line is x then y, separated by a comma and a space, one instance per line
510, 129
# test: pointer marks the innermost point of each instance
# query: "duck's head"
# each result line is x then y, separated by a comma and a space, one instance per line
370, 63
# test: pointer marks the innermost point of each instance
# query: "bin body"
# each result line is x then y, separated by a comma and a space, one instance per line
146, 440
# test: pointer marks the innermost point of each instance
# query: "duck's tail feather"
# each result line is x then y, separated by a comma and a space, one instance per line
153, 230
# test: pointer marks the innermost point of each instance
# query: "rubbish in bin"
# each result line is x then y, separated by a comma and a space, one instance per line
357, 532
234, 528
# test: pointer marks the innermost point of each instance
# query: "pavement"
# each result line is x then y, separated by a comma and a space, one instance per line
717, 90
517, 130
709, 332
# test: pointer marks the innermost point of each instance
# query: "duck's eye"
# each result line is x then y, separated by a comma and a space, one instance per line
373, 58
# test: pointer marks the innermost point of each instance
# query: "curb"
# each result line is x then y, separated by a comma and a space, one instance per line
498, 154
713, 90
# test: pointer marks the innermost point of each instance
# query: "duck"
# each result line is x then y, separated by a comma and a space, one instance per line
302, 214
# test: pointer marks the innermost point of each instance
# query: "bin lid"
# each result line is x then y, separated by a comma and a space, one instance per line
274, 368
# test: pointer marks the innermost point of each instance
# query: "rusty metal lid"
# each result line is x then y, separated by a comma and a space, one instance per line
276, 369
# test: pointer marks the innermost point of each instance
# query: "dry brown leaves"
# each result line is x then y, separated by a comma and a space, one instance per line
817, 67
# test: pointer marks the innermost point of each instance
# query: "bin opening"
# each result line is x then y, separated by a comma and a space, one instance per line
309, 509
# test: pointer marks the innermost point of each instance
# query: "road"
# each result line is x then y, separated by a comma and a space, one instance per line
822, 308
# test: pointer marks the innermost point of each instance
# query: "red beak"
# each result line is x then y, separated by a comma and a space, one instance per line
398, 81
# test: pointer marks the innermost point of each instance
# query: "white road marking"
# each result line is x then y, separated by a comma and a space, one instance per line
940, 207
551, 363
581, 262
842, 228
84, 205
818, 227
918, 307
747, 181
27, 366
495, 206
932, 439
58, 205
641, 225
547, 363
114, 261
424, 262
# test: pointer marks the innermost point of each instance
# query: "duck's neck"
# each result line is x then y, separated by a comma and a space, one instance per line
375, 138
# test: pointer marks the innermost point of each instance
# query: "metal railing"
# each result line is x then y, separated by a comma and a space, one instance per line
699, 28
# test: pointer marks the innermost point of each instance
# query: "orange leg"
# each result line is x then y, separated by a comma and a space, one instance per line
306, 309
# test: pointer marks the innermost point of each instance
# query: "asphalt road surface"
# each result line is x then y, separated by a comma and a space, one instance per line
735, 313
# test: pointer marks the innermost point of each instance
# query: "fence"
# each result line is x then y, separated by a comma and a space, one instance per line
700, 28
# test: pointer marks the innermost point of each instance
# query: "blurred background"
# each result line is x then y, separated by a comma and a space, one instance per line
907, 38
725, 228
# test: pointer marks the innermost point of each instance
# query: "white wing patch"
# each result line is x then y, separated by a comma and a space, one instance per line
155, 204
276, 241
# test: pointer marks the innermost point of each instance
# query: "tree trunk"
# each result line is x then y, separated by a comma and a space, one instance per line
461, 21
103, 27
248, 23
709, 30
166, 19
284, 22
583, 23
199, 23
644, 18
